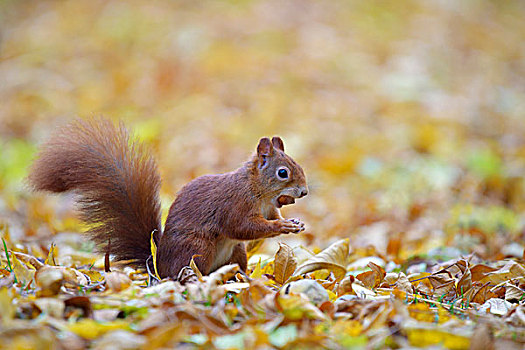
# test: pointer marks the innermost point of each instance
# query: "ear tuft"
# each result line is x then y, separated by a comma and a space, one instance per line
265, 147
278, 143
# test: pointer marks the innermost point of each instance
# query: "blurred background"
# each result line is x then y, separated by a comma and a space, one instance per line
408, 117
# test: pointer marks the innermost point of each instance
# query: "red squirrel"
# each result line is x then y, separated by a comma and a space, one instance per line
212, 216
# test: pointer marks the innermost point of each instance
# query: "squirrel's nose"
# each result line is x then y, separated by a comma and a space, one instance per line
304, 192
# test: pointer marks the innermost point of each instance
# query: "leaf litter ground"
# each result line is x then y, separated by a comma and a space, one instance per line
408, 120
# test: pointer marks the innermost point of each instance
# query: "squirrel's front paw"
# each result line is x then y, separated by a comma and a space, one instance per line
290, 226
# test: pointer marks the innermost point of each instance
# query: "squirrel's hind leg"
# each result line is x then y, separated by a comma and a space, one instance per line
177, 253
239, 256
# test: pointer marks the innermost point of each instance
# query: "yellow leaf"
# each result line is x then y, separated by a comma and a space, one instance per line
443, 315
23, 274
268, 268
165, 334
332, 258
321, 274
28, 259
350, 327
331, 295
421, 312
424, 337
6, 305
285, 263
90, 329
50, 260
154, 254
252, 247
94, 275
296, 307
257, 271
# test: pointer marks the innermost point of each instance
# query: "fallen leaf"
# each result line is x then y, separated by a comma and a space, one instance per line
49, 279
511, 270
372, 279
332, 258
117, 281
50, 260
193, 266
7, 306
513, 293
253, 246
153, 247
285, 263
496, 306
296, 307
257, 271
425, 337
51, 306
91, 329
465, 283
24, 274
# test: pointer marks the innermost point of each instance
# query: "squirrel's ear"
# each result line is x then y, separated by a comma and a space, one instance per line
278, 143
264, 150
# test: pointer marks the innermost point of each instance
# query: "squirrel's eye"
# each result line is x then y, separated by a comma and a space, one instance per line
282, 173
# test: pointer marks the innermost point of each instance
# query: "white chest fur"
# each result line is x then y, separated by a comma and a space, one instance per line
223, 253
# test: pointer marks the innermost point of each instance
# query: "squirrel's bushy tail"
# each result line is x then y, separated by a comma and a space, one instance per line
117, 179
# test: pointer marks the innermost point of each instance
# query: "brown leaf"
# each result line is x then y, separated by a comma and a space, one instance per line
285, 263
403, 283
464, 283
187, 276
439, 279
511, 270
481, 293
54, 307
479, 271
167, 335
372, 279
444, 288
377, 269
345, 286
328, 308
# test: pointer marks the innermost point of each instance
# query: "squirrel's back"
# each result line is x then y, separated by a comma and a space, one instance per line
117, 180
